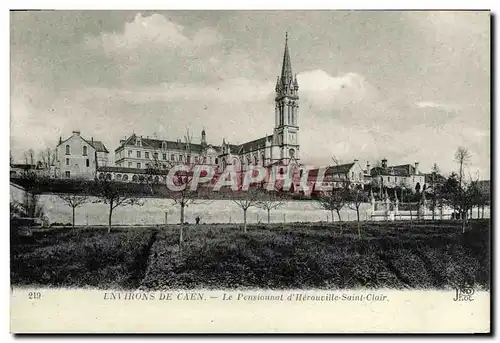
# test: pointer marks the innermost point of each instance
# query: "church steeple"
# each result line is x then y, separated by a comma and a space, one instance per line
286, 84
286, 129
286, 69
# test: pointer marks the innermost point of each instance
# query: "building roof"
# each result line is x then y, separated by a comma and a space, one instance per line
158, 144
399, 170
252, 145
97, 145
100, 147
339, 169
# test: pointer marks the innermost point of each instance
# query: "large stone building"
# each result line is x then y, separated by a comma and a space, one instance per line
142, 153
282, 147
80, 157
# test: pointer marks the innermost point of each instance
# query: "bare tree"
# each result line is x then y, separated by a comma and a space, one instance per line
47, 158
334, 200
74, 201
434, 174
110, 192
462, 158
270, 201
29, 157
187, 196
356, 197
245, 200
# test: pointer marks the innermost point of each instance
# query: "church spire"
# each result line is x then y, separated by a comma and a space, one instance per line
286, 69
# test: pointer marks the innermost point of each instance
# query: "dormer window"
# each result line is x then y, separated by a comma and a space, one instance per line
138, 142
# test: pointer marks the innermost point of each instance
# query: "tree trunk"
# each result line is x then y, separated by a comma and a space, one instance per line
73, 217
478, 211
268, 216
357, 213
109, 218
411, 217
332, 215
340, 221
359, 229
182, 212
181, 235
245, 220
482, 212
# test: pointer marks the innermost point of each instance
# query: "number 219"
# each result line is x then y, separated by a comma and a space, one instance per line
34, 295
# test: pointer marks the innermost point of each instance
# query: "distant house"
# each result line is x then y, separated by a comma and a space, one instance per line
338, 176
404, 175
78, 157
352, 173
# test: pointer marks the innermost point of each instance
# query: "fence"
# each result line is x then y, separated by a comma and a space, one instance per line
387, 209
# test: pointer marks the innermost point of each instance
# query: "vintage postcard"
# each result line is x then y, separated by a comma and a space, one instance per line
250, 171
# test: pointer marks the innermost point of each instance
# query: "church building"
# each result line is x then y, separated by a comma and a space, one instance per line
282, 147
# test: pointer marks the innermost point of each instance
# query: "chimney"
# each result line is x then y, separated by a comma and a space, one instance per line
60, 140
384, 163
76, 133
92, 140
368, 167
355, 160
416, 168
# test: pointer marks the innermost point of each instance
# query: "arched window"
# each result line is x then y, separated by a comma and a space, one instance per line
141, 178
125, 177
108, 176
157, 179
150, 178
101, 176
289, 108
118, 177
135, 178
67, 150
216, 160
85, 150
255, 160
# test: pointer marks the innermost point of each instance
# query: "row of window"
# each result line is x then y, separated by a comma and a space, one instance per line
396, 179
135, 178
180, 158
87, 162
68, 150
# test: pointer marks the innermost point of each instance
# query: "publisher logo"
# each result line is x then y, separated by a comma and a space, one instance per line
464, 294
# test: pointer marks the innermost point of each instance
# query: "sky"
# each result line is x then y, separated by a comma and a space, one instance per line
406, 86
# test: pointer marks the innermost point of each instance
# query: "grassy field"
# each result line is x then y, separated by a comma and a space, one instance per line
388, 255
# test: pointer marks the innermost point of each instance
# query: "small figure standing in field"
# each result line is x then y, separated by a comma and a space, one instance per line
197, 220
